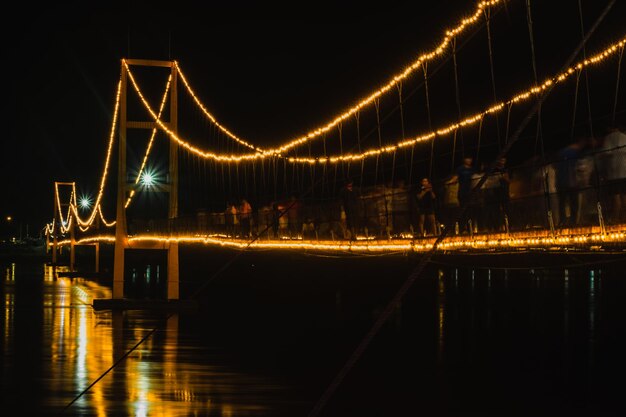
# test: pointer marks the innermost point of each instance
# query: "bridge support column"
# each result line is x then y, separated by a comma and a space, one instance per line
54, 246
97, 266
172, 272
120, 220
72, 246
118, 268
54, 230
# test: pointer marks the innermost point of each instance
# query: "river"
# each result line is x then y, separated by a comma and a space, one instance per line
273, 330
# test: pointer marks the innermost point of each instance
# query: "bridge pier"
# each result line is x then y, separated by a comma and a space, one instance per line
97, 262
173, 281
121, 269
72, 245
118, 268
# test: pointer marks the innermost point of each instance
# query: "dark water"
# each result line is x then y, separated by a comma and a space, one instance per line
273, 330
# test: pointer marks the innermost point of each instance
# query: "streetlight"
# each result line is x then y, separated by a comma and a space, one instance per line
148, 179
85, 202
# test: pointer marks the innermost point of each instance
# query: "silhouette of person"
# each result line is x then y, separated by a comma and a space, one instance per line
426, 202
464, 175
245, 215
349, 200
613, 159
566, 182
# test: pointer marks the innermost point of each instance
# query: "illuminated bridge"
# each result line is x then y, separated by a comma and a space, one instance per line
539, 133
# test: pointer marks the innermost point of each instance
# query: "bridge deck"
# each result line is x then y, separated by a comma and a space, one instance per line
612, 238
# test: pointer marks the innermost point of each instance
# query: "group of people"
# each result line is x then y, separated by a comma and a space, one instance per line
278, 219
478, 198
237, 218
389, 210
490, 205
592, 164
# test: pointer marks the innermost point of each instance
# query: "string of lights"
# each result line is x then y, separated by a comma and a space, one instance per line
73, 207
212, 118
520, 97
96, 207
443, 131
185, 144
453, 243
523, 96
67, 221
390, 86
476, 118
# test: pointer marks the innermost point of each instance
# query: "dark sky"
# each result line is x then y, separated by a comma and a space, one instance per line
266, 71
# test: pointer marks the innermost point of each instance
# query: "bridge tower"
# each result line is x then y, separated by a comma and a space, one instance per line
123, 188
58, 214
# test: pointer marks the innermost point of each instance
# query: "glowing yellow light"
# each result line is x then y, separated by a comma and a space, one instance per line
260, 153
469, 121
522, 240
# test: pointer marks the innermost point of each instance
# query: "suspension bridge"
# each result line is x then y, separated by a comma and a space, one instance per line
499, 162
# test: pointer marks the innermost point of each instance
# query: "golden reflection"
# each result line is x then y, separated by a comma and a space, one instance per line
79, 347
81, 344
7, 331
441, 306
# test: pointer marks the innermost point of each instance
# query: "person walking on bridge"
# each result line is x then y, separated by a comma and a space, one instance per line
350, 202
245, 215
464, 175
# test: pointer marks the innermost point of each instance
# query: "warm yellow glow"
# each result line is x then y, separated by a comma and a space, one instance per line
184, 144
66, 221
210, 116
372, 98
96, 207
469, 121
520, 240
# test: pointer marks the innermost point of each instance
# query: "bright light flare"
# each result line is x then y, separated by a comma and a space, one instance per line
85, 202
148, 179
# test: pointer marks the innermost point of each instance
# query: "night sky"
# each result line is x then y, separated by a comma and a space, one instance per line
268, 73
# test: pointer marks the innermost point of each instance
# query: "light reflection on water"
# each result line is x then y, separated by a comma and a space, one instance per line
459, 332
163, 376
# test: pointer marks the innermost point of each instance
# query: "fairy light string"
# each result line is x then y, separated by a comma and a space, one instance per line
469, 121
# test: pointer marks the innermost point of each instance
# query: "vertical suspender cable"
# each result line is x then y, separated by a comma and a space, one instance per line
274, 171
285, 184
380, 144
575, 109
619, 70
591, 132
340, 129
480, 132
493, 74
430, 125
357, 117
582, 34
508, 123
458, 98
408, 170
324, 166
539, 135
